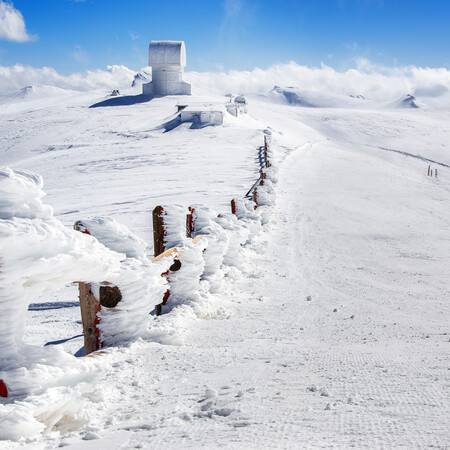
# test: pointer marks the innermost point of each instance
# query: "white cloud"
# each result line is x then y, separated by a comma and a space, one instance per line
377, 83
12, 25
13, 78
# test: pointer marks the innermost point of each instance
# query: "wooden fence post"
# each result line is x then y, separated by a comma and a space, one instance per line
110, 296
255, 197
233, 206
266, 155
90, 306
190, 222
159, 231
159, 246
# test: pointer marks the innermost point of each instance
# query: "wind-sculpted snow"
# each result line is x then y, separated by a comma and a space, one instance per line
40, 255
117, 237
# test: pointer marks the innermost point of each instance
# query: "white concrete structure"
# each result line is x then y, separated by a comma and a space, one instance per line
202, 114
167, 60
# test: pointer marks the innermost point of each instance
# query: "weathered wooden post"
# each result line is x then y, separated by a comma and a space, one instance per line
159, 231
255, 197
266, 154
159, 245
89, 306
110, 296
429, 167
190, 222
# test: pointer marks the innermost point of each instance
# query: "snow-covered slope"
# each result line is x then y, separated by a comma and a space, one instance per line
333, 332
38, 92
409, 101
316, 99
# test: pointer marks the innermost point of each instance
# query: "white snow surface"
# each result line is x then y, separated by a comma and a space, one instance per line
320, 320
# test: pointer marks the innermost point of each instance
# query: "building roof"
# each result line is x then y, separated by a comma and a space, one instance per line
167, 53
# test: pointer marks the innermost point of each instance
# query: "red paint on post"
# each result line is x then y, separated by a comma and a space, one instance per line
233, 206
166, 296
3, 389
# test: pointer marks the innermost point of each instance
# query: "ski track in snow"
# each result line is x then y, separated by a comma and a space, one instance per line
336, 337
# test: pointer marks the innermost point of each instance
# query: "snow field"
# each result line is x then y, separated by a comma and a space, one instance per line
139, 280
329, 331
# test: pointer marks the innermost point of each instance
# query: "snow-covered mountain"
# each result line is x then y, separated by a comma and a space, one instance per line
409, 101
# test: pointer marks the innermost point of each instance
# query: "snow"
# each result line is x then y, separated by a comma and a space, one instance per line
318, 320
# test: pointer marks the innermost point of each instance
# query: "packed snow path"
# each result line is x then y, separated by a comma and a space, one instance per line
337, 338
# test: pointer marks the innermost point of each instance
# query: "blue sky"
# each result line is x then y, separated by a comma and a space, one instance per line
73, 36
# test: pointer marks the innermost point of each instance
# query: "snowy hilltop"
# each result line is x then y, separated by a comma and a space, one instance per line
302, 280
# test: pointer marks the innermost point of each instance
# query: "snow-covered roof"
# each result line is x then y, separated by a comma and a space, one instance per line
167, 53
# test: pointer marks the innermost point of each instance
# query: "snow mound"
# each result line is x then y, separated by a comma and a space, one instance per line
36, 92
309, 98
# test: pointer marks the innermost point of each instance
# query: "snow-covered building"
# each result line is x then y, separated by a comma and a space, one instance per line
167, 60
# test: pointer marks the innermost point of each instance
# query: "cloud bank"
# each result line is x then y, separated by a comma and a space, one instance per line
13, 78
376, 83
12, 25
